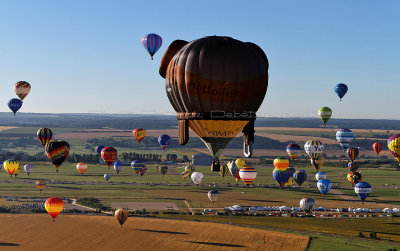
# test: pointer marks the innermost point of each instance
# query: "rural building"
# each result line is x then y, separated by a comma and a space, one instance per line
202, 159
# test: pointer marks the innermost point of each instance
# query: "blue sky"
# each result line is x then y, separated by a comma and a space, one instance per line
86, 56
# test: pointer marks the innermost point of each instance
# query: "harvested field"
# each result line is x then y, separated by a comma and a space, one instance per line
71, 232
146, 205
5, 128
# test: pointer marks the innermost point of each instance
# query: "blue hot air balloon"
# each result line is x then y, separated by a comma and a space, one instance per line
344, 137
137, 166
117, 166
164, 141
324, 185
281, 177
300, 176
14, 104
362, 189
341, 90
99, 148
152, 42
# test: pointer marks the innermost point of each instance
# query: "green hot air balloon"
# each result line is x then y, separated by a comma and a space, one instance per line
325, 114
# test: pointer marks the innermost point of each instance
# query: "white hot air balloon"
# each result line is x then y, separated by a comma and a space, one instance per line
107, 176
197, 177
307, 204
320, 176
213, 196
28, 168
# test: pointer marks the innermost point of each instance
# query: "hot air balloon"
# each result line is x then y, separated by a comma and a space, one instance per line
325, 114
163, 140
394, 146
281, 163
293, 150
57, 151
281, 177
320, 176
362, 189
247, 174
353, 166
14, 105
117, 166
377, 146
291, 171
213, 196
324, 185
81, 167
215, 166
313, 148
54, 206
240, 163
185, 174
11, 166
152, 42
318, 162
139, 134
99, 148
143, 171
233, 168
197, 177
300, 176
307, 204
44, 135
216, 85
109, 155
22, 88
352, 153
341, 90
164, 170
354, 178
121, 215
28, 168
189, 168
344, 137
40, 184
137, 166
107, 176
223, 170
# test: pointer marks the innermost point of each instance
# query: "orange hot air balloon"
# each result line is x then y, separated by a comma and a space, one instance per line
121, 215
81, 167
139, 134
40, 184
377, 146
54, 206
281, 164
109, 155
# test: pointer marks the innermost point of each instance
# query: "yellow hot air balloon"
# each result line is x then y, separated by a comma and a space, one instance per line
11, 166
394, 146
240, 163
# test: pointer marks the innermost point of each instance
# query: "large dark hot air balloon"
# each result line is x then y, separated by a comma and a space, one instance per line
216, 85
57, 151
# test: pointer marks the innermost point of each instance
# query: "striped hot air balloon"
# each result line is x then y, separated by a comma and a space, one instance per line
137, 166
281, 164
22, 88
325, 114
313, 148
44, 135
57, 151
54, 206
394, 146
352, 153
300, 176
247, 174
117, 166
121, 215
353, 166
40, 184
293, 150
377, 146
81, 167
109, 155
152, 42
344, 137
223, 170
318, 162
185, 174
11, 166
362, 189
139, 134
143, 171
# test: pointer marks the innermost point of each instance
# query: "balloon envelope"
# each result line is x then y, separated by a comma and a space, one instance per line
163, 140
320, 176
107, 176
117, 166
353, 166
44, 135
28, 168
377, 146
318, 162
22, 88
352, 153
99, 148
354, 177
137, 166
213, 195
313, 148
14, 104
40, 184
324, 185
109, 155
300, 176
341, 90
293, 151
280, 177
362, 189
394, 146
81, 167
57, 151
325, 114
307, 204
152, 42
11, 166
54, 206
281, 164
344, 137
164, 170
121, 215
139, 134
248, 174
197, 177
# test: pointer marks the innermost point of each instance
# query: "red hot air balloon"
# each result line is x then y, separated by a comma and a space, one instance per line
377, 146
109, 155
54, 206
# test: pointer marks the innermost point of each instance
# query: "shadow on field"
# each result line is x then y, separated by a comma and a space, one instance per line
261, 200
65, 187
8, 244
217, 244
159, 231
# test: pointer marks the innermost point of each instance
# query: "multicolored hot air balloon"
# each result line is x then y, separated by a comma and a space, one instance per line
307, 204
320, 176
11, 166
341, 90
223, 170
344, 137
28, 168
281, 177
22, 88
318, 162
352, 153
362, 189
197, 177
324, 185
152, 42
163, 140
117, 166
394, 146
300, 176
40, 184
234, 170
213, 195
247, 174
139, 134
137, 166
291, 171
353, 166
107, 176
121, 215
81, 167
57, 151
216, 85
143, 171
14, 105
325, 114
313, 148
189, 168
54, 206
185, 174
377, 146
354, 178
44, 135
99, 148
281, 164
293, 151
109, 155
164, 170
